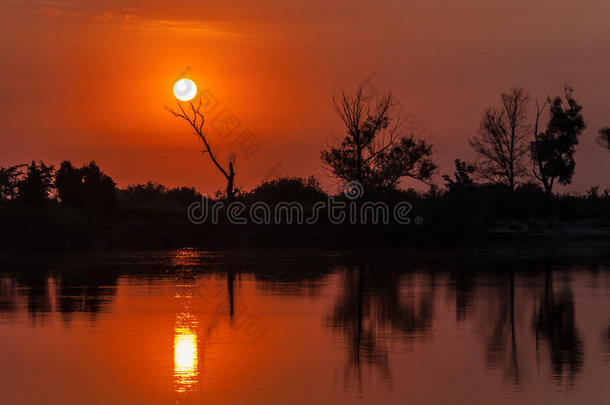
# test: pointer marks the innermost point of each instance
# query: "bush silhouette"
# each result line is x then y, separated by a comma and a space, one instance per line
288, 189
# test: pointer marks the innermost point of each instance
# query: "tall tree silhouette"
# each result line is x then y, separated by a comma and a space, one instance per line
194, 117
501, 141
86, 187
553, 150
373, 151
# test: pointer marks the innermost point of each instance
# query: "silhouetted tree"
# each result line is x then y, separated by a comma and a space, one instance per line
592, 193
501, 141
36, 185
156, 195
143, 194
69, 182
462, 180
9, 180
184, 195
553, 150
604, 137
195, 119
373, 152
306, 191
86, 187
99, 189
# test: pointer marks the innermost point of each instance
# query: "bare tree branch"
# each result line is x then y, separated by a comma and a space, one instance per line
372, 151
501, 141
196, 120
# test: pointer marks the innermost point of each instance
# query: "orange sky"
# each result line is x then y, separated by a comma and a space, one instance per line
88, 80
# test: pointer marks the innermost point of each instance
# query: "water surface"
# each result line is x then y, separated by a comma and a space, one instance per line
187, 326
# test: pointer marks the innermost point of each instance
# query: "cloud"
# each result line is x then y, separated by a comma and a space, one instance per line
115, 16
50, 12
133, 18
184, 27
57, 9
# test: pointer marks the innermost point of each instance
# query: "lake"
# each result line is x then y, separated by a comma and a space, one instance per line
189, 326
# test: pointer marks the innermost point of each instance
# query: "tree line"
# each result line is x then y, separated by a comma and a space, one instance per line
513, 147
88, 188
510, 149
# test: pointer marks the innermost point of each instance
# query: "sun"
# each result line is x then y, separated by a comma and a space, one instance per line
185, 89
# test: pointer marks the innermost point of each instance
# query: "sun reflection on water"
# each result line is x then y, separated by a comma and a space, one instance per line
186, 358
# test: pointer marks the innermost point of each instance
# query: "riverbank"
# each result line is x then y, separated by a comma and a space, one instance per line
64, 229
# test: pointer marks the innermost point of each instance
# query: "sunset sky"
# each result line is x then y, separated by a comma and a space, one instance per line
89, 80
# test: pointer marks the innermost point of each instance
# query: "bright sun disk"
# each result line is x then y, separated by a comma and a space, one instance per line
185, 89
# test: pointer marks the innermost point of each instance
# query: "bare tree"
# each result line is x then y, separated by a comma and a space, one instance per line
373, 151
196, 120
501, 141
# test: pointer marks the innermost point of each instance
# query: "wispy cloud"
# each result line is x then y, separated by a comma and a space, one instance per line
120, 15
50, 11
185, 27
132, 18
56, 9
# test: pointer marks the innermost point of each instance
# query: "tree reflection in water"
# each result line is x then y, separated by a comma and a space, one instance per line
525, 315
554, 323
502, 346
375, 303
67, 291
378, 304
7, 295
606, 342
